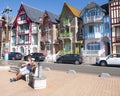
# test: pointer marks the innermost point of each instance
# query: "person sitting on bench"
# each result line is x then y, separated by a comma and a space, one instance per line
30, 65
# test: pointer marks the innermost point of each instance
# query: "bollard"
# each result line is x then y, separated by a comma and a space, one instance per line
39, 82
39, 70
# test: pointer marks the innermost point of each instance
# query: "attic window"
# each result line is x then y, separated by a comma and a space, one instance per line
23, 17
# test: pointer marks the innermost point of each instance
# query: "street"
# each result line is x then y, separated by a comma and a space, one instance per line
86, 82
84, 68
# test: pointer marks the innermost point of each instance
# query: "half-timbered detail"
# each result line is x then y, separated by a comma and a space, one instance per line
70, 32
49, 33
114, 6
96, 30
26, 30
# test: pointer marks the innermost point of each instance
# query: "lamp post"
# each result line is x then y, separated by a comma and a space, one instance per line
6, 50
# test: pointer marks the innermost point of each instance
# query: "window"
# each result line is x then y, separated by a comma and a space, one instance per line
35, 39
35, 28
21, 39
23, 17
117, 30
93, 46
106, 26
42, 46
48, 47
26, 38
91, 29
24, 27
22, 49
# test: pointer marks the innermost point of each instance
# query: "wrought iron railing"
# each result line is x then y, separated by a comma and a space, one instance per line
66, 34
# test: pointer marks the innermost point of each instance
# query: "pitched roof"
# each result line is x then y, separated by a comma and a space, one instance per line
75, 11
106, 8
33, 13
91, 5
53, 17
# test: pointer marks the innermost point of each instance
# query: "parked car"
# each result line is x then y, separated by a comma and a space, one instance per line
36, 56
112, 59
14, 56
70, 58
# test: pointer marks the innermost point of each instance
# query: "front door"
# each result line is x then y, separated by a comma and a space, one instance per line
107, 48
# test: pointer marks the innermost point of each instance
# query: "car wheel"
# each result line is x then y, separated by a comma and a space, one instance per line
77, 62
103, 63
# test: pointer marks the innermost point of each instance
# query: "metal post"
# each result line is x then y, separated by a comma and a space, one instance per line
6, 10
39, 70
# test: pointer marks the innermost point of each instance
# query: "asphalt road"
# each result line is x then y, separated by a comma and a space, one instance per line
84, 68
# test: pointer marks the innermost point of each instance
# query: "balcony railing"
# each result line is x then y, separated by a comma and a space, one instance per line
66, 22
93, 19
65, 34
23, 31
116, 39
90, 52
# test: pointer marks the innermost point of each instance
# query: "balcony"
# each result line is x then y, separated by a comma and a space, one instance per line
116, 39
66, 22
23, 31
65, 34
93, 19
21, 21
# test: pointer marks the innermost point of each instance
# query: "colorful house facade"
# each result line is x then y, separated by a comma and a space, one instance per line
49, 33
70, 30
5, 32
96, 30
114, 6
26, 30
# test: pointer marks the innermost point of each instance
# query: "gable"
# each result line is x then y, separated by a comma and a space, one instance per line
32, 14
20, 12
53, 17
69, 11
92, 9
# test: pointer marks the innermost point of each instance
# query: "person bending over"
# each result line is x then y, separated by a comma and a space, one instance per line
25, 70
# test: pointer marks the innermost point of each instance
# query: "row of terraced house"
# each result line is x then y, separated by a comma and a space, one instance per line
93, 31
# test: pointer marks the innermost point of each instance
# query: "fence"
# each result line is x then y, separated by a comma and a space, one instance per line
89, 56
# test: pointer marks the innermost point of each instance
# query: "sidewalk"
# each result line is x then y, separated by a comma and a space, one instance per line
61, 83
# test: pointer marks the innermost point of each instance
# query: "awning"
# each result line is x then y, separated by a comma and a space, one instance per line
105, 38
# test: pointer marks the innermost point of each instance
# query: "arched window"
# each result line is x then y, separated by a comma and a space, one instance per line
21, 49
13, 49
93, 46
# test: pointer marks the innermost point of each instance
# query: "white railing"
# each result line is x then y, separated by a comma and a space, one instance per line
90, 53
93, 19
89, 56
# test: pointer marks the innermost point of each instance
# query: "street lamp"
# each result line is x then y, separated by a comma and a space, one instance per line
6, 11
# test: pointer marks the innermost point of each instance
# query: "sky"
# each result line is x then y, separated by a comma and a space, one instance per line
54, 6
